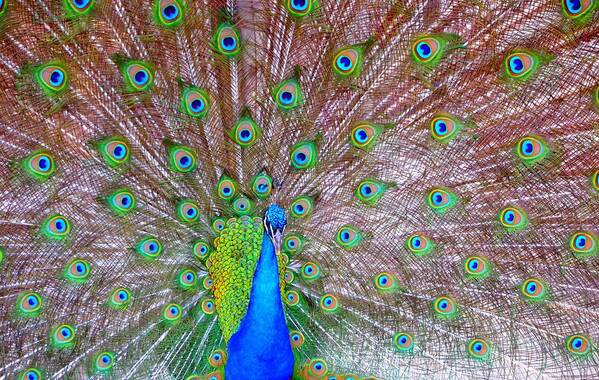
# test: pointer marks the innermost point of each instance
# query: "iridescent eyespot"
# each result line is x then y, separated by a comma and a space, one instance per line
78, 7
242, 205
288, 94
3, 7
426, 48
304, 155
207, 282
181, 159
138, 76
292, 298
386, 282
478, 349
217, 358
226, 40
77, 271
300, 8
445, 307
103, 361
226, 188
329, 303
115, 151
293, 243
208, 306
584, 244
149, 248
121, 202
310, 271
520, 65
296, 338
419, 244
62, 336
477, 267
579, 345
39, 165
216, 375
187, 279
30, 373
201, 250
403, 341
317, 367
56, 227
532, 149
370, 191
245, 132
441, 200
364, 135
171, 313
120, 298
348, 237
534, 289
513, 218
579, 10
29, 304
169, 13
348, 61
301, 207
195, 102
262, 185
52, 78
445, 127
188, 211
218, 225
595, 180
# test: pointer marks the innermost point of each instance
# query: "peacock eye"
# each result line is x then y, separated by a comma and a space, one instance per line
217, 358
444, 127
583, 244
39, 165
77, 271
310, 271
513, 219
195, 102
120, 298
115, 151
104, 361
578, 345
201, 250
521, 65
441, 200
187, 211
369, 191
386, 282
29, 304
187, 279
181, 159
304, 155
445, 307
403, 341
121, 202
226, 188
245, 132
348, 61
226, 40
30, 373
149, 248
348, 237
169, 13
171, 313
301, 207
534, 289
329, 303
207, 306
79, 7
296, 338
300, 8
292, 298
288, 94
532, 150
242, 205
364, 135
56, 227
207, 282
476, 267
218, 225
426, 49
262, 185
317, 367
478, 349
63, 336
293, 243
577, 9
138, 76
419, 244
52, 78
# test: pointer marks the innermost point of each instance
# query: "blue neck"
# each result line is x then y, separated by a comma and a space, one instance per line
260, 349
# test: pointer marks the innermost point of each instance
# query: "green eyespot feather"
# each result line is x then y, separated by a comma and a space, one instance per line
304, 155
149, 248
428, 50
243, 205
441, 199
513, 218
445, 307
218, 225
245, 132
370, 190
403, 341
579, 11
348, 237
347, 61
40, 165
293, 243
103, 362
521, 65
301, 207
478, 349
445, 127
595, 180
477, 267
386, 282
262, 185
62, 336
329, 303
534, 289
181, 158
3, 7
169, 13
29, 304
171, 313
532, 150
137, 75
195, 102
188, 211
364, 135
226, 188
115, 151
226, 40
77, 8
288, 94
300, 8
419, 244
310, 271
121, 201
31, 373
579, 346
52, 78
187, 279
56, 227
584, 244
119, 298
201, 250
77, 271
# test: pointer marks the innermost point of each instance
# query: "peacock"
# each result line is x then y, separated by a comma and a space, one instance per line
299, 189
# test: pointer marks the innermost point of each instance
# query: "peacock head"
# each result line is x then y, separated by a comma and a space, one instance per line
274, 225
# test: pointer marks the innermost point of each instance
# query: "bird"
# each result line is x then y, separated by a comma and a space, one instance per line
299, 189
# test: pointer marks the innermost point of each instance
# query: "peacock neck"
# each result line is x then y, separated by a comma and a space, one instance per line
261, 349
